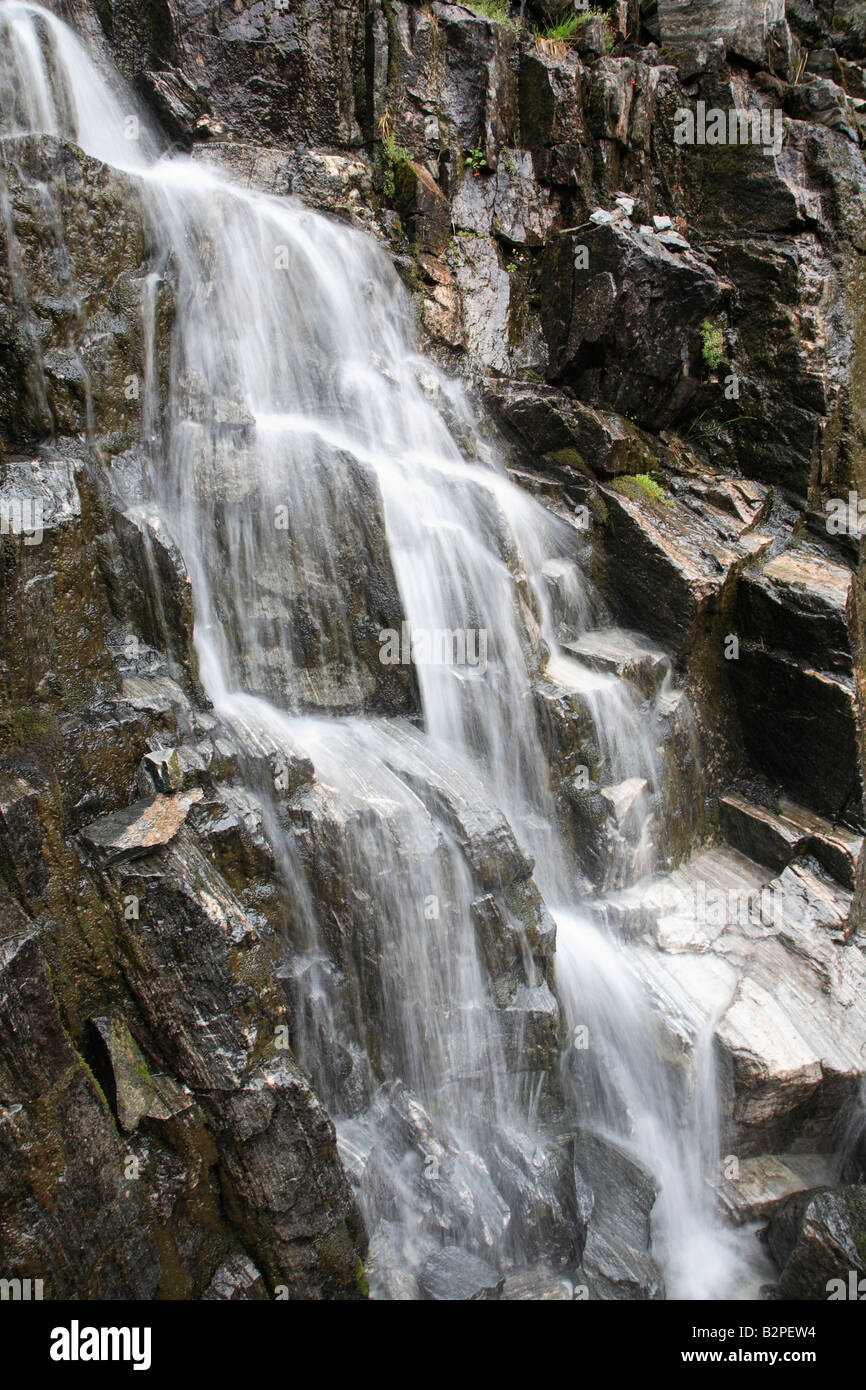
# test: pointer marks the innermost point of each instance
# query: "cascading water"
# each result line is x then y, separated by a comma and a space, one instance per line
299, 408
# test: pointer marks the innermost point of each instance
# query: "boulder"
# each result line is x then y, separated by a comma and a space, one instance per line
798, 603
623, 330
617, 1263
236, 1281
814, 755
758, 33
760, 1185
453, 1274
132, 1088
538, 1285
144, 826
817, 1240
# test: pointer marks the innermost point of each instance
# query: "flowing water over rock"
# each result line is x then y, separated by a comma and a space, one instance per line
339, 509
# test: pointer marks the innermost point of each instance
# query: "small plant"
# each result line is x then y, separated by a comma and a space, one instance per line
563, 31
712, 344
493, 9
557, 37
476, 161
393, 153
642, 485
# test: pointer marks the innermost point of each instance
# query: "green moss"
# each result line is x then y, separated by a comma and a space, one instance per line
393, 155
599, 509
362, 1283
569, 458
712, 343
27, 725
641, 487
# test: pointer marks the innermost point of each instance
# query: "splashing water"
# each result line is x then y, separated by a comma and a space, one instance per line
302, 428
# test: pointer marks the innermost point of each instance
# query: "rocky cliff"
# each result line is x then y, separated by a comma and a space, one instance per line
637, 234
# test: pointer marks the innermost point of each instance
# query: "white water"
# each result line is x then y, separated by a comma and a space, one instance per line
296, 386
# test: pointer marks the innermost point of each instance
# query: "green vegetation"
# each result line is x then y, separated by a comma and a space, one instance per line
476, 160
712, 343
563, 32
362, 1283
392, 154
493, 9
594, 13
705, 427
640, 486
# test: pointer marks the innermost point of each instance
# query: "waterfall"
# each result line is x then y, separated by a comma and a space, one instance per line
299, 412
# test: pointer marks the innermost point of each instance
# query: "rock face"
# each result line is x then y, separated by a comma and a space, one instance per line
667, 336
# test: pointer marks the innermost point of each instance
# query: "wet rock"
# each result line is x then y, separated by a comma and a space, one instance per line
772, 689
511, 205
552, 122
798, 603
423, 207
536, 1286
286, 74
236, 1281
453, 1275
417, 1165
337, 183
822, 102
622, 331
385, 1266
21, 848
835, 846
624, 654
174, 769
529, 1024
546, 1199
758, 33
769, 961
574, 436
827, 62
670, 567
157, 576
283, 1185
190, 945
763, 1183
65, 354
617, 1263
132, 1088
145, 826
792, 831
816, 1239
759, 833
86, 1236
